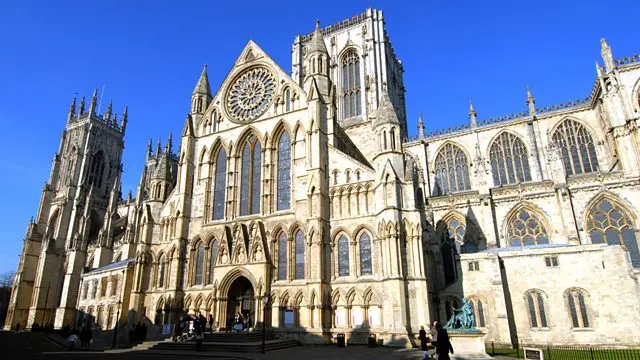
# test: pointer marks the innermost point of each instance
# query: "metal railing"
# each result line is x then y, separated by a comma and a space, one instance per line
567, 352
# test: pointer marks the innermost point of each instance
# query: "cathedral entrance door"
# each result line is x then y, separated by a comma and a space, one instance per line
241, 300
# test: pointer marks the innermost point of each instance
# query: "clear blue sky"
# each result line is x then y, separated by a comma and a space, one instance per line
149, 54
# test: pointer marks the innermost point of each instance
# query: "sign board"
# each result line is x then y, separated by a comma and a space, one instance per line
533, 354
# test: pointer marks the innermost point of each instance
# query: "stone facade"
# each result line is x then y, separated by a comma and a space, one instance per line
300, 202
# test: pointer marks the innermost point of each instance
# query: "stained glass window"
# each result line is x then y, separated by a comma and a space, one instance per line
578, 149
284, 172
251, 177
509, 160
299, 255
282, 257
452, 171
526, 228
220, 183
457, 230
537, 312
343, 256
365, 255
607, 222
199, 264
213, 259
351, 85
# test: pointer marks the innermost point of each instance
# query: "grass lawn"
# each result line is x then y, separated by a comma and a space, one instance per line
573, 353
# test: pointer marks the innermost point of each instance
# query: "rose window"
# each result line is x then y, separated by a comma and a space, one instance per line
251, 94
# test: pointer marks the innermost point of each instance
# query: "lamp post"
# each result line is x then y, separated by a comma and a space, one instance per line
265, 300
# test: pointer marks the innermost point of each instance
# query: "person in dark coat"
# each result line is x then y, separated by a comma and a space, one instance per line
211, 322
443, 344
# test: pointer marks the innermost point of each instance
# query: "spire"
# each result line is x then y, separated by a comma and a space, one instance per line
473, 115
169, 144
149, 149
386, 113
599, 69
317, 41
81, 112
607, 56
107, 114
202, 87
72, 110
531, 101
125, 116
420, 126
159, 148
94, 102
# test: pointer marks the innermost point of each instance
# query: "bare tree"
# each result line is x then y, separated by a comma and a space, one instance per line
6, 279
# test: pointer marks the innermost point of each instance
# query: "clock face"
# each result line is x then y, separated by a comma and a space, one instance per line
251, 94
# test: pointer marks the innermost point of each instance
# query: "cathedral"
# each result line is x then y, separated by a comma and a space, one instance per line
299, 200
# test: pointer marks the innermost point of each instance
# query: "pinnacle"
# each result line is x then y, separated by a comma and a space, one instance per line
202, 87
317, 40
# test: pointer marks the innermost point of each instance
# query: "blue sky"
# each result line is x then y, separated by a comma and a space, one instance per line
148, 55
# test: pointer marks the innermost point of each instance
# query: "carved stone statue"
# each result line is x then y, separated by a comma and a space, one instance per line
462, 318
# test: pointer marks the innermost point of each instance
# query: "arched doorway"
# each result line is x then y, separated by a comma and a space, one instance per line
241, 299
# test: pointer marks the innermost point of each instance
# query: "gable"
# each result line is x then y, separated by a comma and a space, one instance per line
251, 90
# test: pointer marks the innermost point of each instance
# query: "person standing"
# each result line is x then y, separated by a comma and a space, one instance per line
211, 322
422, 336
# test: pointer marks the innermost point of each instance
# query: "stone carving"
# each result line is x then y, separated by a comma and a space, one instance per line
462, 318
257, 253
251, 94
242, 256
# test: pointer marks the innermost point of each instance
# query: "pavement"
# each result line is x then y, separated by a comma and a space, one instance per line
33, 345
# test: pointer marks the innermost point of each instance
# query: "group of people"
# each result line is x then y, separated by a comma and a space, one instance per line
84, 336
439, 342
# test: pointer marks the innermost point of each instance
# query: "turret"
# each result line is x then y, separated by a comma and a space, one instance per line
316, 64
81, 111
149, 149
107, 114
201, 96
386, 126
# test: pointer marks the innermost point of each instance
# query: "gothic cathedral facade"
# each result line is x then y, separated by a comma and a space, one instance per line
300, 201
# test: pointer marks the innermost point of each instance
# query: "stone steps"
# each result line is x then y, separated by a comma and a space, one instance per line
214, 346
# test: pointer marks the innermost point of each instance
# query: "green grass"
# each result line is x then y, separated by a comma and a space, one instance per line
573, 353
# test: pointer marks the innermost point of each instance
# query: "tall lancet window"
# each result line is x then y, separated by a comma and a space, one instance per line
199, 264
220, 183
578, 150
343, 256
282, 256
284, 172
299, 255
161, 270
365, 255
351, 85
97, 170
509, 160
251, 176
287, 100
452, 171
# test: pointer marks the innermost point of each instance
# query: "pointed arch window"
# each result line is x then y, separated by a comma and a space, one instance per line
282, 256
608, 223
392, 138
577, 308
284, 172
509, 160
212, 260
578, 149
457, 230
526, 228
299, 255
536, 307
343, 256
351, 85
452, 170
287, 100
214, 121
220, 184
365, 254
96, 171
161, 270
251, 177
478, 312
199, 264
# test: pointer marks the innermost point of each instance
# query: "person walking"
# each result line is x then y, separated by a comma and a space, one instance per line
422, 336
443, 344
